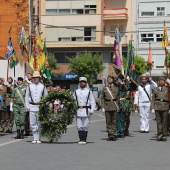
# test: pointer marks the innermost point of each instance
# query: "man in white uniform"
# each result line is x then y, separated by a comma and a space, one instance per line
34, 93
86, 105
143, 101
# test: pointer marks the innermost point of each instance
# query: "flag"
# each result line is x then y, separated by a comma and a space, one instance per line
46, 67
117, 63
165, 37
23, 46
13, 61
9, 50
37, 59
149, 62
130, 67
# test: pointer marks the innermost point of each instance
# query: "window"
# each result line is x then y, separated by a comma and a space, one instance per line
70, 55
147, 37
147, 13
76, 38
60, 57
159, 37
89, 34
160, 11
64, 11
51, 12
77, 11
90, 9
64, 39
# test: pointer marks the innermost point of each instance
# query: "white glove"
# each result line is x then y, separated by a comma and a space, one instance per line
6, 83
15, 79
11, 107
44, 75
103, 110
153, 111
169, 111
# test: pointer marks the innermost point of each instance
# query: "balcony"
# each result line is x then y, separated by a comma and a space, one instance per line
115, 13
108, 40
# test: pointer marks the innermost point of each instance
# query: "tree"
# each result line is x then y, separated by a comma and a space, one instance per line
88, 65
53, 64
140, 65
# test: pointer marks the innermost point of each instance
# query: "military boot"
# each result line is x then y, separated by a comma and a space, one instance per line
84, 135
80, 137
18, 134
22, 134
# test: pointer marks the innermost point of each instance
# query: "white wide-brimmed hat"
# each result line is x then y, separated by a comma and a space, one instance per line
36, 74
83, 79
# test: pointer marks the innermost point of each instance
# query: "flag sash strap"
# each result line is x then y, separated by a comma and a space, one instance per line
112, 96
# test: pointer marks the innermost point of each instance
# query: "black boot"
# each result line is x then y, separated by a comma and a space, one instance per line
84, 133
80, 135
18, 134
22, 134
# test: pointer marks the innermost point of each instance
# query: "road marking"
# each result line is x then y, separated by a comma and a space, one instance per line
18, 140
13, 141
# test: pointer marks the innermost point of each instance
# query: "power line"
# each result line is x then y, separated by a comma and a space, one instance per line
104, 31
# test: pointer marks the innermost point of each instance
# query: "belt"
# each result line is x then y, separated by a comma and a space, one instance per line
122, 99
161, 100
87, 107
111, 100
34, 103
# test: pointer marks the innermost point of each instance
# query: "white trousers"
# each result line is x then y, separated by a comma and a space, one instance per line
83, 123
144, 117
34, 122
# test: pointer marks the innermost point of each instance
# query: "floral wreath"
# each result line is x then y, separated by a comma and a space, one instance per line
53, 125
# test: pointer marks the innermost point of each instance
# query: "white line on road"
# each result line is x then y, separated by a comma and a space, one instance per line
18, 140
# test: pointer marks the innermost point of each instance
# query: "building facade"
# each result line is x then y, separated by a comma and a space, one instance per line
72, 27
149, 24
12, 14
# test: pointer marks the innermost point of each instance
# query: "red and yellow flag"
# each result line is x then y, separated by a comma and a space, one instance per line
38, 58
165, 37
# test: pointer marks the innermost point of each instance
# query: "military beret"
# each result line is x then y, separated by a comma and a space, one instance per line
20, 79
162, 78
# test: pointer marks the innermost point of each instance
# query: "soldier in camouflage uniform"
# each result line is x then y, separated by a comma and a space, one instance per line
17, 105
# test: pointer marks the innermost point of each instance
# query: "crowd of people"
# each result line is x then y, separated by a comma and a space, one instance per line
19, 102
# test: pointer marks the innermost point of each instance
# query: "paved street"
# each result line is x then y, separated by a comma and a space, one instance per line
136, 152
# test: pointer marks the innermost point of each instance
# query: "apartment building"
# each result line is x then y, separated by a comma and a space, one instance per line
149, 24
72, 27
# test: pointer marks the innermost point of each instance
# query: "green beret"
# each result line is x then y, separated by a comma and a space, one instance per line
162, 78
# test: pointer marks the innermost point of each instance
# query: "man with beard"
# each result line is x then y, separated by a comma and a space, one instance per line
86, 105
143, 101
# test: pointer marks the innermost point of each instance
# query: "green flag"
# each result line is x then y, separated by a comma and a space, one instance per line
46, 67
130, 67
13, 61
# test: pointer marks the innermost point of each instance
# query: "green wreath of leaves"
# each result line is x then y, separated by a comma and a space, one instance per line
54, 125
